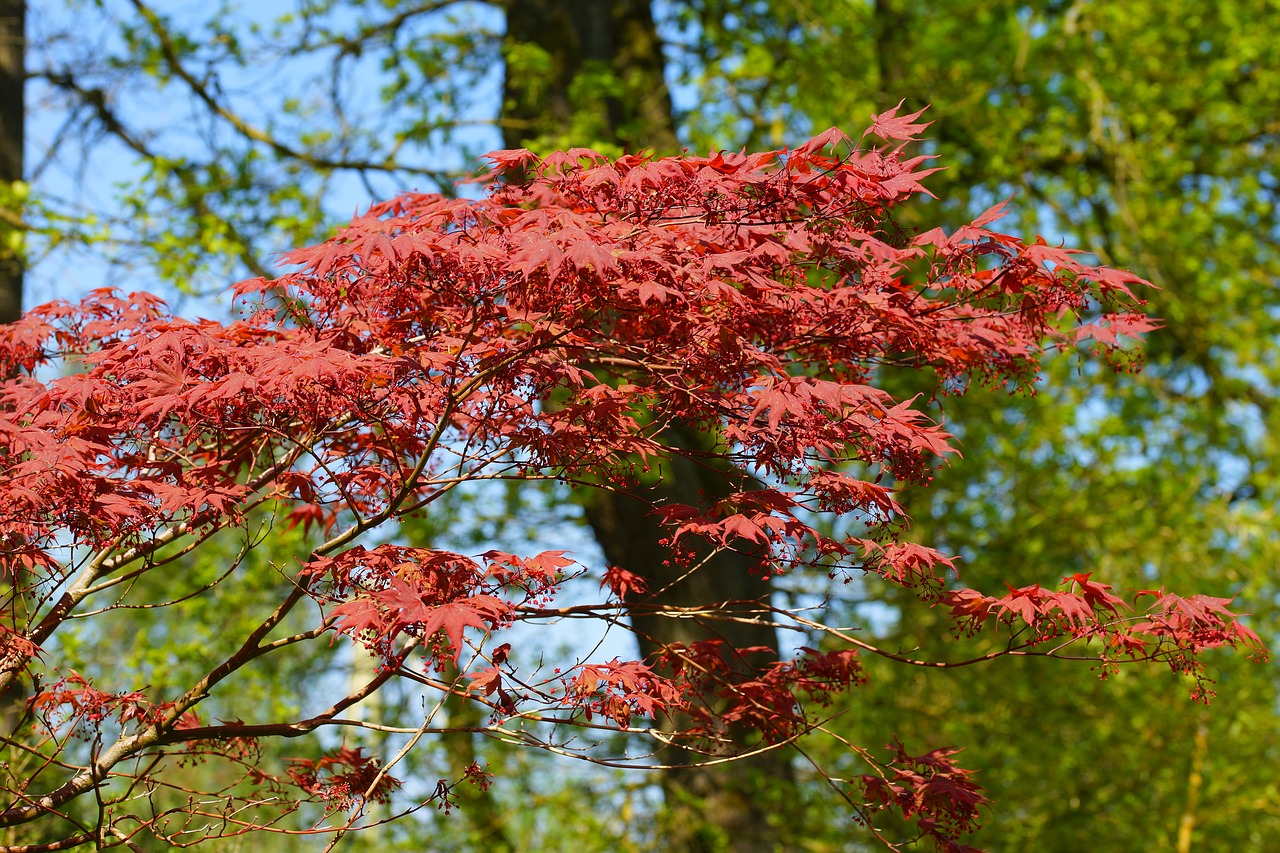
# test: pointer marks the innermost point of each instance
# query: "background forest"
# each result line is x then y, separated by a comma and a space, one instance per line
178, 146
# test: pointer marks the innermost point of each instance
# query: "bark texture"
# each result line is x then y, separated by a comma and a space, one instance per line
12, 79
604, 57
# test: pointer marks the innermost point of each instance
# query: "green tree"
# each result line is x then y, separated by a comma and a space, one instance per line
438, 342
1088, 112
590, 73
1082, 108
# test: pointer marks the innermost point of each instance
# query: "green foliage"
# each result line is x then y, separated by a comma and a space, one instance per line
1143, 130
247, 567
232, 135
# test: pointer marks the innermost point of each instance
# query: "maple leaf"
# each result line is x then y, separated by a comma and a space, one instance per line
931, 790
538, 253
482, 611
622, 582
832, 136
969, 606
511, 159
1026, 602
1096, 594
891, 126
486, 681
357, 617
566, 326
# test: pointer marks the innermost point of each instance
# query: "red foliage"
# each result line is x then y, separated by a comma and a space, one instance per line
932, 790
343, 778
622, 582
724, 689
555, 329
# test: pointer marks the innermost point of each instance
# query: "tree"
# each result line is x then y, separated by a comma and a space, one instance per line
1172, 181
12, 191
1169, 476
12, 108
580, 70
554, 329
607, 85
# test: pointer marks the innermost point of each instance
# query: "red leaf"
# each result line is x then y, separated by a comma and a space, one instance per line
482, 612
622, 582
891, 126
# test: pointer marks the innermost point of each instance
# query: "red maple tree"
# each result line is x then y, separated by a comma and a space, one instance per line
556, 329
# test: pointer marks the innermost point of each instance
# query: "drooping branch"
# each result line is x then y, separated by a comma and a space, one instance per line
609, 324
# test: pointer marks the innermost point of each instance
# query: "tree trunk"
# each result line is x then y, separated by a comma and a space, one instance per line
587, 69
603, 83
12, 78
724, 806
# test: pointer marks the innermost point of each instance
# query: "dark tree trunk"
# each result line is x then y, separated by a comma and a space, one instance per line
12, 79
12, 75
719, 807
615, 42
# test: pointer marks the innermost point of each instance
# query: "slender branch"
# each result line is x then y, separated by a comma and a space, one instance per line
77, 840
243, 127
